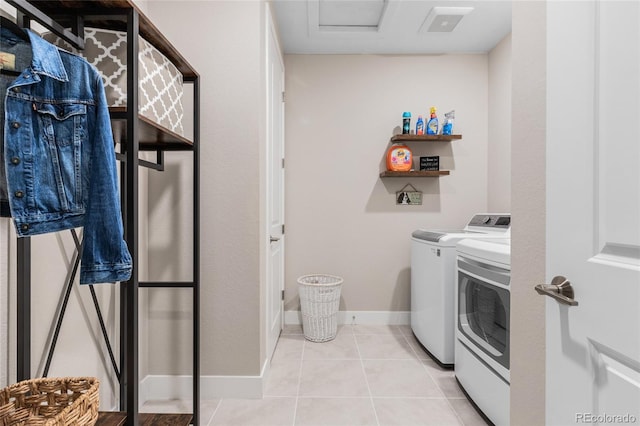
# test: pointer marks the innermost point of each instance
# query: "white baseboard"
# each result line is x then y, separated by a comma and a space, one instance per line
159, 387
359, 317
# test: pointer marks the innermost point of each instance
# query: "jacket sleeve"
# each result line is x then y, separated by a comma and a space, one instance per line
105, 256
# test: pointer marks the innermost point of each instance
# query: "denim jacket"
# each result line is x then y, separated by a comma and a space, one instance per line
59, 158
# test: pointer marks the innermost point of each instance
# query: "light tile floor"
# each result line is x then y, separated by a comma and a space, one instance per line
368, 375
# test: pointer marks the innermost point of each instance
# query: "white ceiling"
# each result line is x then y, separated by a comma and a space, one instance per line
389, 26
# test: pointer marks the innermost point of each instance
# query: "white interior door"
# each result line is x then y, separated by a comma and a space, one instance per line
275, 190
593, 211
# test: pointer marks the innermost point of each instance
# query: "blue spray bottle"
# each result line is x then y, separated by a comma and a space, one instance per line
447, 127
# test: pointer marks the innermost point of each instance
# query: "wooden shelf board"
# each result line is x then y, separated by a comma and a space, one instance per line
114, 418
111, 419
152, 136
416, 173
424, 138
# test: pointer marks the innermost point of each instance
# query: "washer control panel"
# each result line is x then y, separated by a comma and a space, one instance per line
491, 220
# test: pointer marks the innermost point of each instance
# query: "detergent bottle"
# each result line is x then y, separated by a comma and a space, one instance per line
399, 158
432, 125
406, 122
420, 126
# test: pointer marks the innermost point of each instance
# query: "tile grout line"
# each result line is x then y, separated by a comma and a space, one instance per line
366, 379
424, 366
367, 397
214, 412
295, 408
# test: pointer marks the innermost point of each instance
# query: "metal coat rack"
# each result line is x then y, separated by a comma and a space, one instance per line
127, 374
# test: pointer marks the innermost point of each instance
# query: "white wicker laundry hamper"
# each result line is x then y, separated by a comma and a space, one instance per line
319, 302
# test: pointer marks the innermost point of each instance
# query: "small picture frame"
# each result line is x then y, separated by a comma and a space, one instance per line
430, 163
409, 196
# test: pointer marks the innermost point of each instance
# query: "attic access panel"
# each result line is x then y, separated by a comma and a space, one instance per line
350, 14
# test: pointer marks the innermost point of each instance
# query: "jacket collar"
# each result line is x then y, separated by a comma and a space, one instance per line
46, 58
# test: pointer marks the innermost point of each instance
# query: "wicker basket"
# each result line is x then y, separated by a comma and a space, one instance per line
319, 302
62, 401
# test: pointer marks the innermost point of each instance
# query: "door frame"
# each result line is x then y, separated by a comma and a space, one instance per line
270, 32
4, 301
528, 212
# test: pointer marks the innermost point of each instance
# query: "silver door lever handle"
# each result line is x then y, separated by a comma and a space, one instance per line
560, 289
273, 239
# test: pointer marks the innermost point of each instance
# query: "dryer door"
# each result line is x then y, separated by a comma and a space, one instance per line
483, 309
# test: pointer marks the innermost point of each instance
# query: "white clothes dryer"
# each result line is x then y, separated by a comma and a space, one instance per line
433, 281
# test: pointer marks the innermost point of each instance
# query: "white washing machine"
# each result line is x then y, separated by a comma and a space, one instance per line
433, 280
483, 293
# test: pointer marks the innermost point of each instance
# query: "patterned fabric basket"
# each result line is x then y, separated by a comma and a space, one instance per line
319, 302
62, 401
159, 81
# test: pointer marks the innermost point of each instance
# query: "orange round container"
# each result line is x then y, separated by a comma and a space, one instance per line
399, 158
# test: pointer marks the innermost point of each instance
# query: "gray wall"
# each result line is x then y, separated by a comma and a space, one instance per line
499, 159
341, 217
223, 41
167, 315
528, 208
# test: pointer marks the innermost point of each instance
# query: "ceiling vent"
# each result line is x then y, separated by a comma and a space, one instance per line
443, 19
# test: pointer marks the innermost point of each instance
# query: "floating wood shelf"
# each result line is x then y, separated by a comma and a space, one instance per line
424, 138
119, 419
416, 173
420, 138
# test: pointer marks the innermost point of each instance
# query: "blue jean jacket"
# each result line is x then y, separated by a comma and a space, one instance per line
59, 158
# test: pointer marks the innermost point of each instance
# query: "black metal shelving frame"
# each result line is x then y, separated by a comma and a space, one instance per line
74, 17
